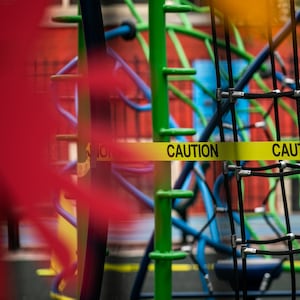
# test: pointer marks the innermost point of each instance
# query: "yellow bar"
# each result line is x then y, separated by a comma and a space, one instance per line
49, 272
134, 267
202, 151
60, 297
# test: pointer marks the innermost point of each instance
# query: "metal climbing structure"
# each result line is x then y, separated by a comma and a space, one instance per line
226, 100
163, 194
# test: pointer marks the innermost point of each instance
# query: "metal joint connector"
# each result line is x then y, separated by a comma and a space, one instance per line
219, 94
260, 209
291, 235
297, 93
282, 164
260, 124
232, 167
277, 91
225, 168
233, 241
238, 241
221, 209
244, 173
248, 250
237, 172
224, 94
232, 99
186, 248
238, 94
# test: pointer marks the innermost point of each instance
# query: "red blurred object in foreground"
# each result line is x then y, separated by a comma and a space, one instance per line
27, 122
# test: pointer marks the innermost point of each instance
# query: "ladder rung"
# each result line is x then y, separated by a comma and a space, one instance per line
172, 255
177, 8
66, 137
65, 77
179, 71
67, 19
177, 131
172, 194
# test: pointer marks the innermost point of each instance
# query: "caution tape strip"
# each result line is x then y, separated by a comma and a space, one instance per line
202, 151
193, 151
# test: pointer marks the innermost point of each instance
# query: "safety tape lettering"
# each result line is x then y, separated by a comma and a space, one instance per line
202, 151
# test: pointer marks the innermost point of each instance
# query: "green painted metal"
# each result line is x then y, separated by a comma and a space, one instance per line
177, 131
163, 254
162, 179
176, 8
171, 194
67, 19
179, 71
168, 255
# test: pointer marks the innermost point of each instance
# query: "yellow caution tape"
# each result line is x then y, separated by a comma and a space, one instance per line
202, 151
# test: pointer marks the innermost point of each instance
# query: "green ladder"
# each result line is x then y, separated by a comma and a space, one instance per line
163, 254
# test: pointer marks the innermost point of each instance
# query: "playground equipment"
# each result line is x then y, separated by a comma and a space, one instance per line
226, 97
256, 64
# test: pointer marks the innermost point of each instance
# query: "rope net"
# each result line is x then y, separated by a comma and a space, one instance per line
275, 97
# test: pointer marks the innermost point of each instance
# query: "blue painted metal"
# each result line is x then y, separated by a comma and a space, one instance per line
207, 75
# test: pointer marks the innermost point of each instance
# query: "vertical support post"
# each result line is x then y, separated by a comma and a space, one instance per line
92, 267
162, 174
84, 117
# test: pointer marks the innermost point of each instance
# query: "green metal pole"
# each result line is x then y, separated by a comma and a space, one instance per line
158, 61
160, 119
163, 254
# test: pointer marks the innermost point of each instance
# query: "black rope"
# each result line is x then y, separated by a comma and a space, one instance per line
217, 68
262, 168
273, 175
273, 71
293, 166
273, 241
266, 95
278, 252
232, 95
272, 166
274, 95
278, 138
222, 138
235, 138
265, 215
